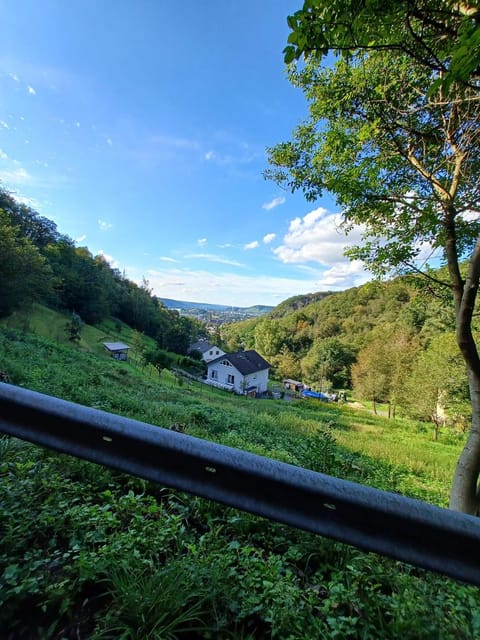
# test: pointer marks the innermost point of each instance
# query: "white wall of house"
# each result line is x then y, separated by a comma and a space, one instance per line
227, 376
211, 354
258, 379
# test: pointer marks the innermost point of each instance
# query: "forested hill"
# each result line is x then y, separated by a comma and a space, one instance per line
349, 316
40, 264
392, 341
297, 302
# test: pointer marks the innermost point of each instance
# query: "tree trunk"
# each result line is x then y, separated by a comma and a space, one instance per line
465, 493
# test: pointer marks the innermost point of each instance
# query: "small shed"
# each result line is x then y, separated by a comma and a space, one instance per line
117, 350
293, 385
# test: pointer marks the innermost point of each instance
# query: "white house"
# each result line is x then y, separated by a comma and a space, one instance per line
209, 351
244, 372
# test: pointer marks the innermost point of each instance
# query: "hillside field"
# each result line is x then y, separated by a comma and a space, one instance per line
93, 553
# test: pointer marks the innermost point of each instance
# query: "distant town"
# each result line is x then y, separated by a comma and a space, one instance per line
214, 314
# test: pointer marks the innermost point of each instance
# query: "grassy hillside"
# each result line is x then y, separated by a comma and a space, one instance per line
48, 323
92, 553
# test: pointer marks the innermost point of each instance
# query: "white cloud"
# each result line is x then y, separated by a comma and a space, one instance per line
273, 203
210, 257
14, 77
16, 177
202, 242
81, 238
269, 238
29, 202
343, 276
316, 238
226, 288
230, 159
31, 90
77, 124
103, 225
3, 155
251, 245
4, 124
109, 142
167, 259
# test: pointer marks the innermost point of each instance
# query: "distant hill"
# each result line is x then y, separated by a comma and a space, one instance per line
185, 305
297, 302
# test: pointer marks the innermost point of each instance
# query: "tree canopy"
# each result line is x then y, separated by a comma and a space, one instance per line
442, 35
24, 272
393, 132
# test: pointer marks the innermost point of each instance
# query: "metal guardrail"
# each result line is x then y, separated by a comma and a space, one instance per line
389, 524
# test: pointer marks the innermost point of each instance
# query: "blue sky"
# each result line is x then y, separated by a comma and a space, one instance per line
140, 127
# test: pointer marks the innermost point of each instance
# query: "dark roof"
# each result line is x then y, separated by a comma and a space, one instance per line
116, 346
245, 361
201, 345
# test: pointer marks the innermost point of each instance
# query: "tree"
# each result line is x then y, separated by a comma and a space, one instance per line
269, 337
138, 347
437, 381
442, 35
399, 150
383, 365
328, 361
39, 230
158, 358
179, 334
286, 364
74, 328
24, 272
370, 373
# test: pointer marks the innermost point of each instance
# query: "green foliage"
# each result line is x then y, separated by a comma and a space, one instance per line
440, 35
437, 381
159, 358
91, 552
74, 327
377, 331
328, 362
24, 273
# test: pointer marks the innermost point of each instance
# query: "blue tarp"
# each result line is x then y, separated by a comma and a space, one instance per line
315, 394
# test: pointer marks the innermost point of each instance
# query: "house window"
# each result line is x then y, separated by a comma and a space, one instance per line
214, 374
230, 379
210, 352
217, 353
226, 363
